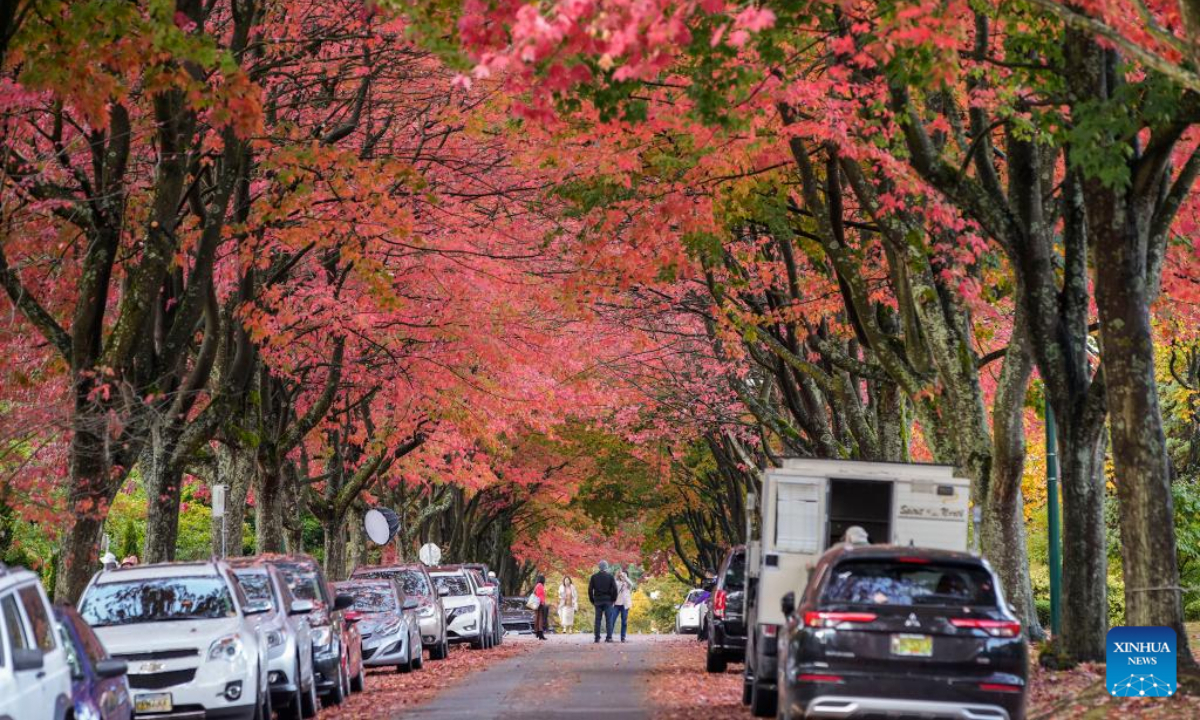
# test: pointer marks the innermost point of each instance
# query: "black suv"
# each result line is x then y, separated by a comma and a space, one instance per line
885, 630
726, 613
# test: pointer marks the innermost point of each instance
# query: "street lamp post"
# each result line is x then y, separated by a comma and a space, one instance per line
1053, 522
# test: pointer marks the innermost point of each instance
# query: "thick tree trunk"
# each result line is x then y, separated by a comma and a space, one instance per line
335, 548
163, 490
235, 470
356, 546
1143, 469
1085, 564
94, 485
268, 509
1004, 513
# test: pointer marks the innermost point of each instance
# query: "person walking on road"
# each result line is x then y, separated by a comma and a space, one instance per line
602, 593
541, 616
624, 600
568, 603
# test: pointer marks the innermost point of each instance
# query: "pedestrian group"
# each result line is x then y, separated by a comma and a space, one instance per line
610, 593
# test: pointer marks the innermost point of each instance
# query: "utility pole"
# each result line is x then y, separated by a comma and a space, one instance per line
1053, 522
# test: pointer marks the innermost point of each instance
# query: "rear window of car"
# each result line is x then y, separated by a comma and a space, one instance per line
890, 582
735, 574
39, 619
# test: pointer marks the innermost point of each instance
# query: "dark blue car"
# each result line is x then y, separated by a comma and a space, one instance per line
99, 688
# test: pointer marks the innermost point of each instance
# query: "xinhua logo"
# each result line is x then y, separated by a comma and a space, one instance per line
1141, 662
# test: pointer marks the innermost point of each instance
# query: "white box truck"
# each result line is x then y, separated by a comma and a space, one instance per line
806, 507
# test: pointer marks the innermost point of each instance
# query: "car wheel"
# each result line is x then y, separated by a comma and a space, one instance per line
438, 652
746, 690
477, 643
338, 693
762, 701
715, 662
358, 683
308, 705
262, 710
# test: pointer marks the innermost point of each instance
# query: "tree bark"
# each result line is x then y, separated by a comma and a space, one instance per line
1143, 468
1085, 563
268, 509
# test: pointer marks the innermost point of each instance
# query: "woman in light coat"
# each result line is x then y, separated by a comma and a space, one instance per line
568, 603
624, 600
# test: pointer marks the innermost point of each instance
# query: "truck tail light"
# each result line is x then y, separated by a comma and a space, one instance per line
833, 619
809, 677
995, 628
719, 604
770, 630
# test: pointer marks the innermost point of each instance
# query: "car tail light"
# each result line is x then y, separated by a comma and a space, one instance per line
833, 619
809, 677
913, 560
719, 604
995, 628
770, 630
1000, 687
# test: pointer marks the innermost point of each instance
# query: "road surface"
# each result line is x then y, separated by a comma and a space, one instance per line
561, 677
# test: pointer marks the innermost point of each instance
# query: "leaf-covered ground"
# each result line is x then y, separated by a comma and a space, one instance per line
680, 688
388, 692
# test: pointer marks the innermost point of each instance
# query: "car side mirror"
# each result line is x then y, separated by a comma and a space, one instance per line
352, 616
443, 591
411, 604
341, 602
788, 604
257, 607
487, 590
111, 668
25, 660
301, 607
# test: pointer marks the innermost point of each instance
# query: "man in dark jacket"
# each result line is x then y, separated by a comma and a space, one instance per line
602, 592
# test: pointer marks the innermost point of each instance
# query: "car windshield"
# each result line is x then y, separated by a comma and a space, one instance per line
370, 598
454, 584
885, 582
157, 600
302, 582
413, 582
512, 604
256, 585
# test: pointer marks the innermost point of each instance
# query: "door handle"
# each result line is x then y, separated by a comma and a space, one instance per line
41, 674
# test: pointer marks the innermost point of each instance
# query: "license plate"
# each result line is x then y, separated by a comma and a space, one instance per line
152, 703
912, 645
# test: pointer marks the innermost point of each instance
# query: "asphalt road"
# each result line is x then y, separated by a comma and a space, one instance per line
561, 677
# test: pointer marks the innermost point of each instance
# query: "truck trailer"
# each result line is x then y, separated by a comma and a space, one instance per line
806, 507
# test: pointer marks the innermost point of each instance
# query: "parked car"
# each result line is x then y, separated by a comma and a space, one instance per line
285, 623
99, 688
189, 634
468, 615
35, 677
515, 617
414, 580
690, 614
726, 613
886, 630
337, 648
490, 591
387, 620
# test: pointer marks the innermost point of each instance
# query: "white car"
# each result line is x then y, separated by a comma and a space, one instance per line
289, 639
35, 677
191, 638
690, 616
468, 616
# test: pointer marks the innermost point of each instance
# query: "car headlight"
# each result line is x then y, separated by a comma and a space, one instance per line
323, 635
426, 611
226, 648
390, 628
274, 638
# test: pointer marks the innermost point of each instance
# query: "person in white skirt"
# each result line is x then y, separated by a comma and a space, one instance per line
568, 603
